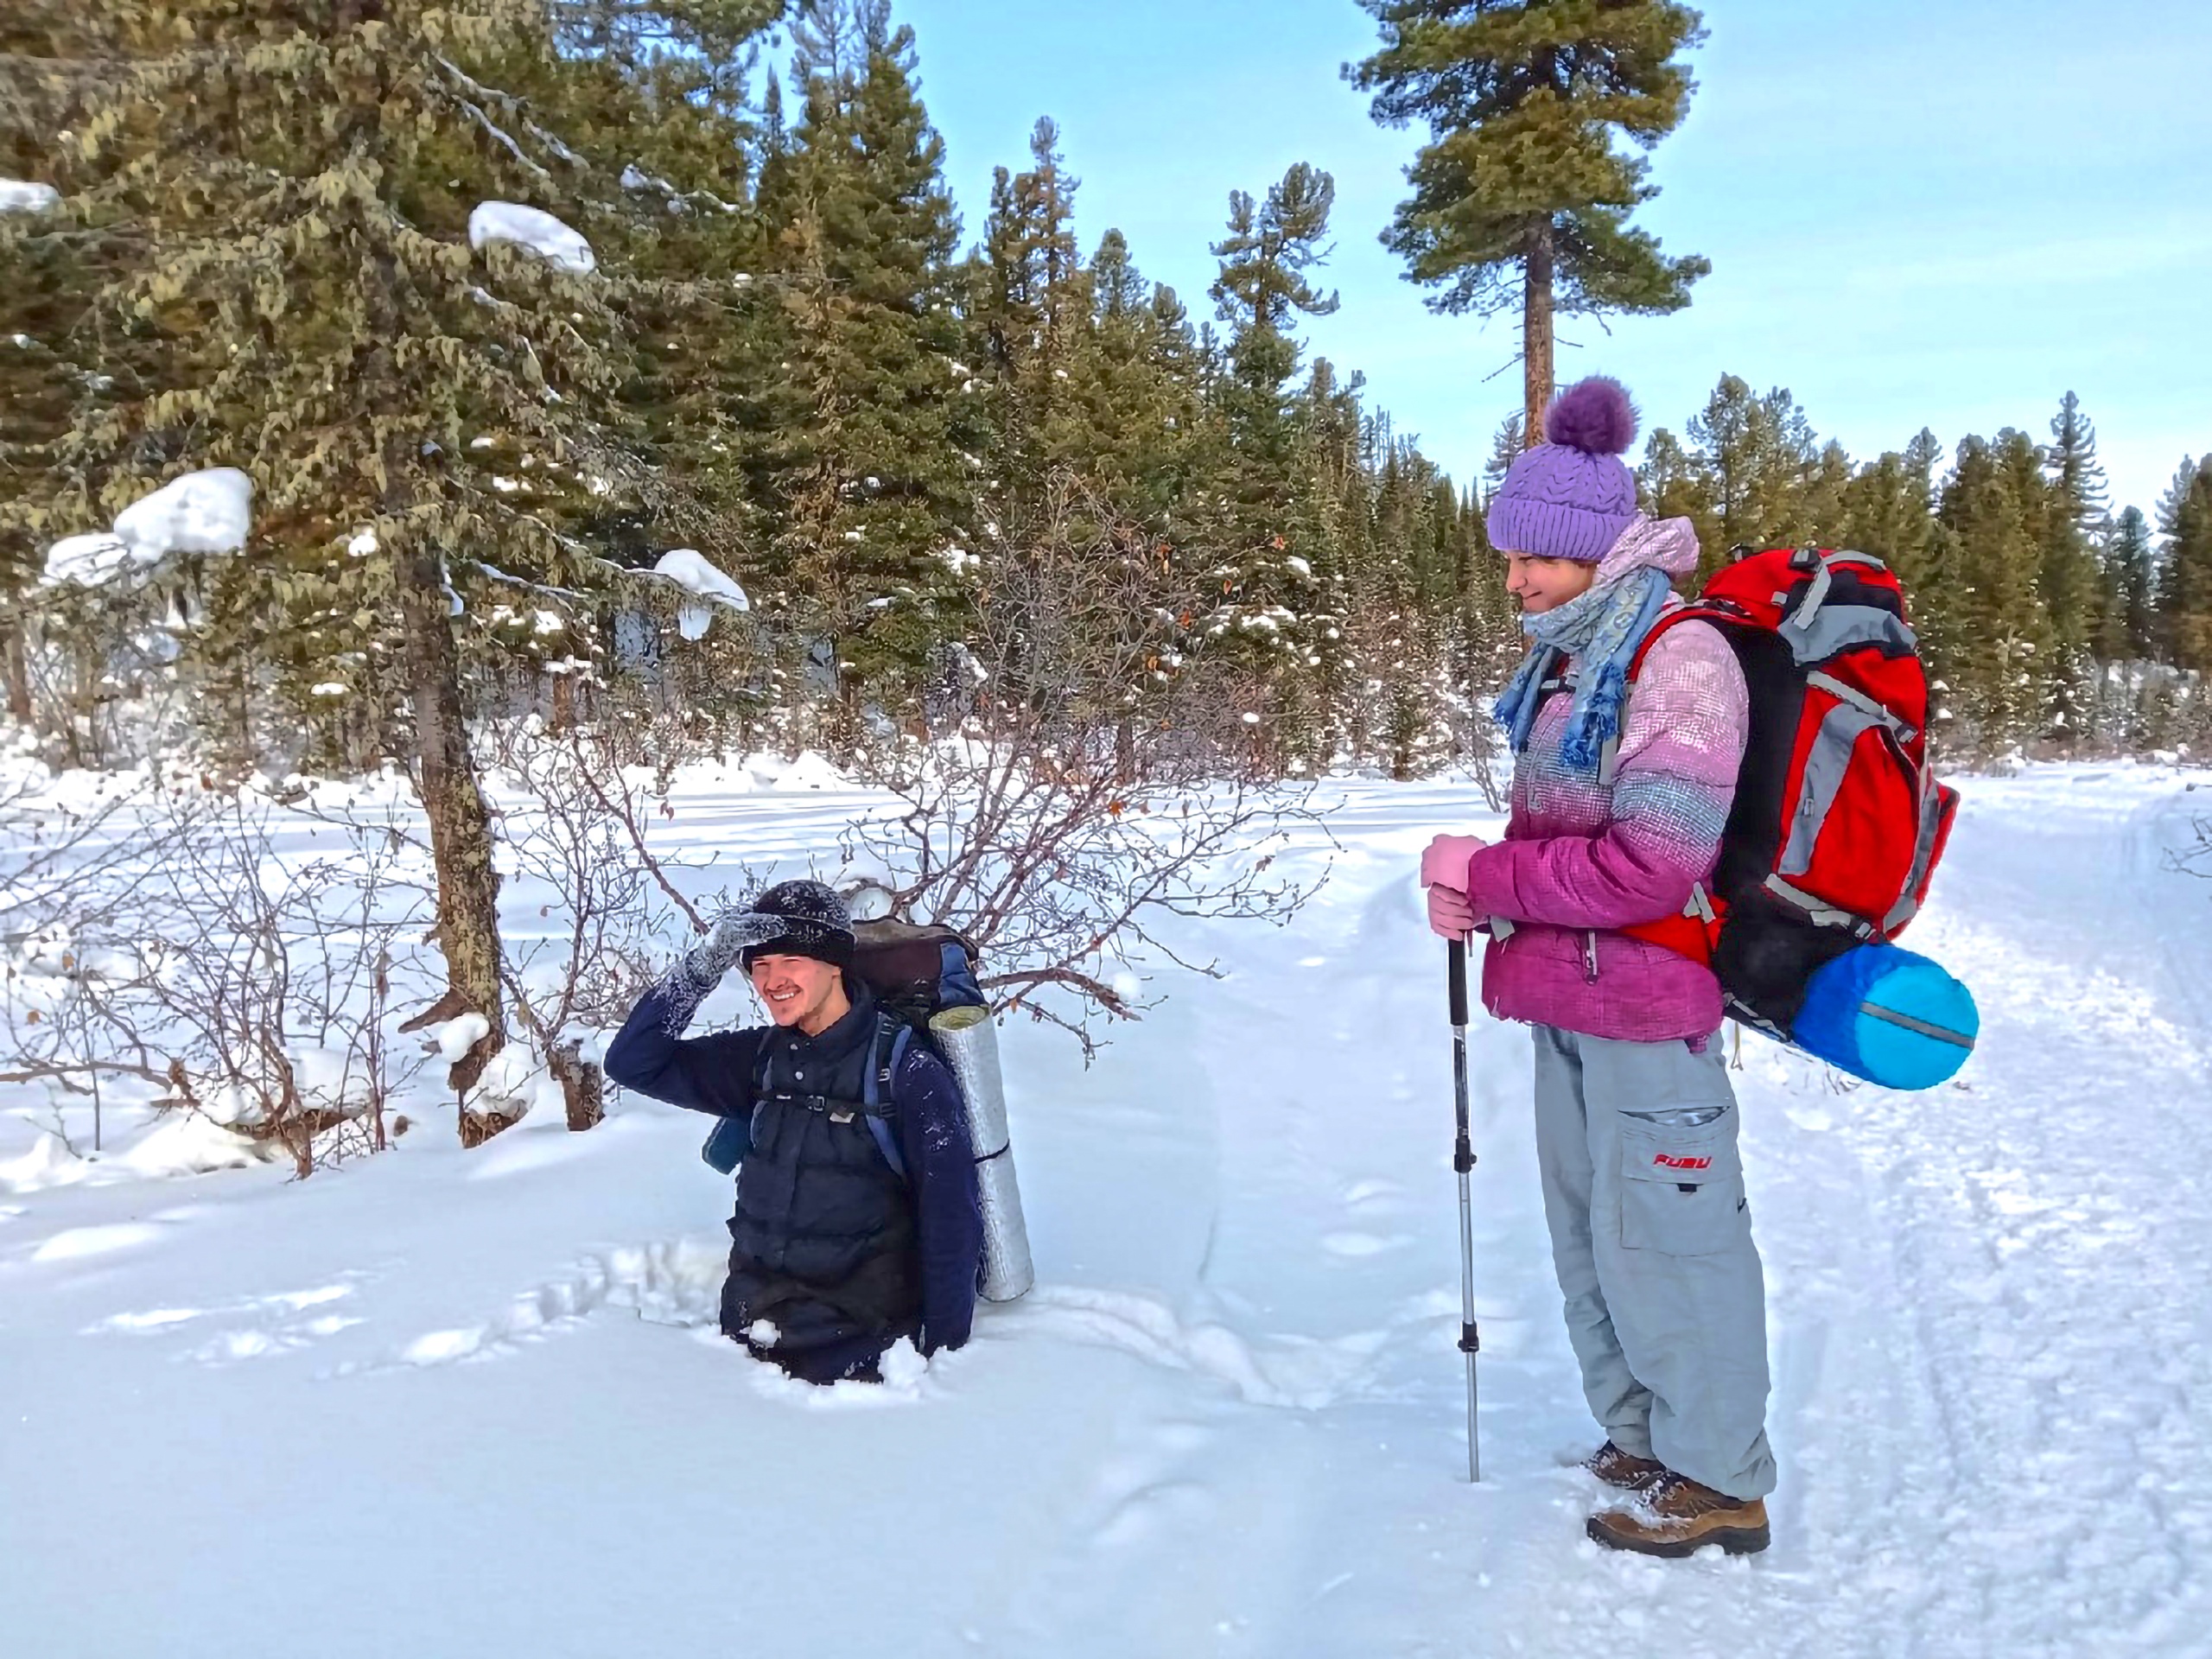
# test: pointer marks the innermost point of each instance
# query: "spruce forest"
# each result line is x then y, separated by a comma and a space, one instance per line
390, 384
784, 349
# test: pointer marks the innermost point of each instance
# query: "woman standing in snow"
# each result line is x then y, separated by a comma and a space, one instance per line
1620, 793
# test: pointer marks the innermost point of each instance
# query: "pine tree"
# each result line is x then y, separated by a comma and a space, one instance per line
50, 262
1330, 528
1129, 420
1400, 663
2185, 568
1757, 455
864, 433
1034, 313
303, 271
2069, 581
1522, 193
1998, 675
2127, 619
1263, 527
1263, 288
1888, 509
1672, 484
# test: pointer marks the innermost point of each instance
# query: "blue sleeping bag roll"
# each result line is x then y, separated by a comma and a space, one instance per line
1888, 1016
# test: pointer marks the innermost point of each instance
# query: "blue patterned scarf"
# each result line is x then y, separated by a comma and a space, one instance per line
1600, 630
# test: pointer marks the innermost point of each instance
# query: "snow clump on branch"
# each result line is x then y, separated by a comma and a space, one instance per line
17, 196
207, 512
534, 229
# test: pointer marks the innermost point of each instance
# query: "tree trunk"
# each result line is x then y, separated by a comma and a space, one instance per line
461, 824
15, 648
1536, 335
582, 1085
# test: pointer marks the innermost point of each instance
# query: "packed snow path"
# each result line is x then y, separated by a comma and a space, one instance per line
446, 1404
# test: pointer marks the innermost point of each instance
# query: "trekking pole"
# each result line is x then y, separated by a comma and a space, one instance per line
1463, 1160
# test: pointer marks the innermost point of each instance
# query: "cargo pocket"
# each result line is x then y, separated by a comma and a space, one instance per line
1681, 1187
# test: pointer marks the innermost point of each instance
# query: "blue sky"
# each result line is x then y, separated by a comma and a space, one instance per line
1945, 214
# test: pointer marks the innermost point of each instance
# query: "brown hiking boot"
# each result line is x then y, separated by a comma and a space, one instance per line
1624, 1469
1675, 1516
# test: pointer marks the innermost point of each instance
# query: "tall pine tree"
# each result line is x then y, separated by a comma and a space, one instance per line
1757, 453
2069, 579
299, 180
1992, 503
1264, 527
2185, 569
1522, 196
1034, 312
2128, 623
864, 430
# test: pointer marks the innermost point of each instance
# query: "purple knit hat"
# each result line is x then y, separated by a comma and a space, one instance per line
1571, 498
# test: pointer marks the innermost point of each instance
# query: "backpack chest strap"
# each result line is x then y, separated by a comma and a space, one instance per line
877, 1104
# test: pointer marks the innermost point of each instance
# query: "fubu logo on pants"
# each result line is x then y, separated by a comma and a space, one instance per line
1669, 1160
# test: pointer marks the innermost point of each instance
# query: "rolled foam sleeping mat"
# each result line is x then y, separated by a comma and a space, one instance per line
970, 1042
1888, 1016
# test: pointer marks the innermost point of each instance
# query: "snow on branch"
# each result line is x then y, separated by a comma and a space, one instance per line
533, 229
17, 196
635, 179
507, 139
690, 569
208, 512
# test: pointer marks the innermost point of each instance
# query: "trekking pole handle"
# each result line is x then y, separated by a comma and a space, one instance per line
1455, 970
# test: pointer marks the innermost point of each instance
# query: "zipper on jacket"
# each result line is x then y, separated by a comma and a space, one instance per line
1590, 956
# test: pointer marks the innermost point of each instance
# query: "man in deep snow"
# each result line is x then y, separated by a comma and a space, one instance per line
1619, 798
835, 1254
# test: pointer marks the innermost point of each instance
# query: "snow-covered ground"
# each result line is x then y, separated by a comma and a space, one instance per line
442, 1403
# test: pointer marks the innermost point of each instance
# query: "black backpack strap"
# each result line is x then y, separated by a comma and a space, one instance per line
881, 1105
878, 1107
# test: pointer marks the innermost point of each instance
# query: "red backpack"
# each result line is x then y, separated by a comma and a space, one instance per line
1838, 822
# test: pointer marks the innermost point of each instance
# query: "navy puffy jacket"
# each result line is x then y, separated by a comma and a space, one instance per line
714, 1074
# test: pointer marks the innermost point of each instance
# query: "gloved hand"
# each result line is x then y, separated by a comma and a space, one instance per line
695, 975
1449, 913
1444, 863
706, 963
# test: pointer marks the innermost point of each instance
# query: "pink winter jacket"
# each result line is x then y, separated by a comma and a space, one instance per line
1580, 858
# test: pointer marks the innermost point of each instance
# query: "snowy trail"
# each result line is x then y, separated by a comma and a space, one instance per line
1228, 1421
2045, 1232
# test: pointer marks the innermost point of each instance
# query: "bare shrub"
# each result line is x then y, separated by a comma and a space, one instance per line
1086, 776
246, 984
574, 820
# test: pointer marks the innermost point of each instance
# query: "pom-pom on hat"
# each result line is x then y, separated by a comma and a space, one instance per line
799, 919
1571, 496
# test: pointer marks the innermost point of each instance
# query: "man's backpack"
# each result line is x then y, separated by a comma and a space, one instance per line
916, 972
1837, 823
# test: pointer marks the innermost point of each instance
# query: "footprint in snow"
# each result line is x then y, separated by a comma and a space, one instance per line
1143, 1511
668, 1281
1372, 1194
280, 1328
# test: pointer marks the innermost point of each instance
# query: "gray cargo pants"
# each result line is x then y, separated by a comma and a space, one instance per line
1651, 1238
